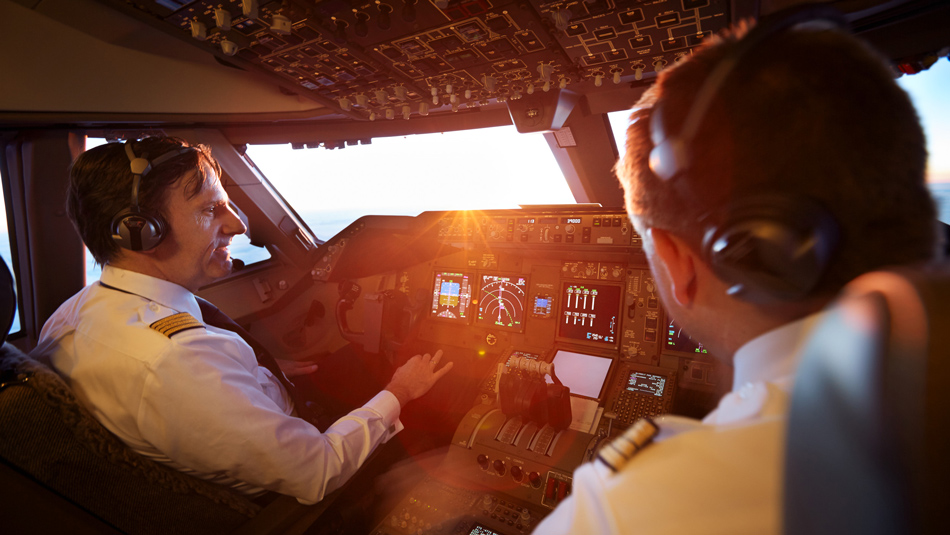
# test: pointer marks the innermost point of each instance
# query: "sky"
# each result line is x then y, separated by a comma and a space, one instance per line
488, 168
929, 91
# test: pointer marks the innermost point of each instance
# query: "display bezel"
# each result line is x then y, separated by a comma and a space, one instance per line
433, 315
562, 305
477, 305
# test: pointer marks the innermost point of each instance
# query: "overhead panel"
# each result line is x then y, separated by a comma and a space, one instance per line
404, 58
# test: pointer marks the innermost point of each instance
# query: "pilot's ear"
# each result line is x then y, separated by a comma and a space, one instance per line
679, 262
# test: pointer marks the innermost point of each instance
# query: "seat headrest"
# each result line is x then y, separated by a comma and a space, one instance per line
867, 434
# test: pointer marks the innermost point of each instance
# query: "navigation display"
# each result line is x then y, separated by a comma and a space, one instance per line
451, 296
501, 301
646, 383
589, 312
678, 340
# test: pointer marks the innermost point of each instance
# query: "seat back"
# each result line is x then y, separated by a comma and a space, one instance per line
868, 436
61, 471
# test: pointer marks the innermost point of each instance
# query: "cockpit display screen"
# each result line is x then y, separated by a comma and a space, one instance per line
501, 301
678, 340
646, 383
479, 529
452, 296
584, 374
589, 312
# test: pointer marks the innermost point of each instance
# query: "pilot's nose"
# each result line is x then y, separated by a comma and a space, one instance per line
234, 225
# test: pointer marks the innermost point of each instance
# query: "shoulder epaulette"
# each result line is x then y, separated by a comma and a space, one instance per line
176, 323
619, 452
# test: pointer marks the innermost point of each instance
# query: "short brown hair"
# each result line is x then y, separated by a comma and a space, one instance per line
100, 186
806, 113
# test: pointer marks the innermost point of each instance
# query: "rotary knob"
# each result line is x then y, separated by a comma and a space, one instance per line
499, 466
535, 479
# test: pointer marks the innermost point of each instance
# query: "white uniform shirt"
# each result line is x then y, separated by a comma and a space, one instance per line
721, 475
198, 400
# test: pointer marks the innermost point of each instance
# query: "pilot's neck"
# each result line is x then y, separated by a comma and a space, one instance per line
147, 264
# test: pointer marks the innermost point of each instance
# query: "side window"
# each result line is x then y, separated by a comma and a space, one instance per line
928, 91
5, 253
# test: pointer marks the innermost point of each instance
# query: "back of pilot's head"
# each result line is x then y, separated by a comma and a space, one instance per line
804, 114
100, 186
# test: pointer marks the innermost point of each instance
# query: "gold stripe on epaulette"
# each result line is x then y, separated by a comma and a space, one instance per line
176, 323
619, 452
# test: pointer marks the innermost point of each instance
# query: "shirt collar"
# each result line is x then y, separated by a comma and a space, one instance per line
165, 293
773, 355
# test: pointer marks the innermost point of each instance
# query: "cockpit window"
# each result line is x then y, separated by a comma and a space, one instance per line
927, 90
476, 169
5, 253
618, 123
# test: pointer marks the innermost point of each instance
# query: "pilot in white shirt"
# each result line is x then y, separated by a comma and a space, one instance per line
198, 400
763, 172
721, 475
136, 352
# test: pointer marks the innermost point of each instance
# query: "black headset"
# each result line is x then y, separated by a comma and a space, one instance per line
770, 246
133, 229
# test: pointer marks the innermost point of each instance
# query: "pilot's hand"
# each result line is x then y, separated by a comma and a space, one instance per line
296, 368
416, 377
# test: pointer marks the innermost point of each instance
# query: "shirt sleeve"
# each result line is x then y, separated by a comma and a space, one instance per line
204, 407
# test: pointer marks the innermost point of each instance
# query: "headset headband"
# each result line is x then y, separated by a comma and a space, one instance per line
141, 167
670, 156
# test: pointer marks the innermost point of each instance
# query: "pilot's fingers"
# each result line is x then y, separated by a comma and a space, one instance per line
436, 358
305, 370
440, 373
293, 368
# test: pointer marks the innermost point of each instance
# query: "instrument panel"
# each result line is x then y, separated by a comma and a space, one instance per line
519, 292
535, 279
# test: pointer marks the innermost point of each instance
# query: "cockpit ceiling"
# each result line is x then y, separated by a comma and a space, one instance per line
405, 58
108, 62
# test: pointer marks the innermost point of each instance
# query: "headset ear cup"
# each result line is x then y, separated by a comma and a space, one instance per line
136, 231
668, 159
669, 156
772, 248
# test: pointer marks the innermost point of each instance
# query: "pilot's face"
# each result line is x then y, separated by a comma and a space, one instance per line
195, 253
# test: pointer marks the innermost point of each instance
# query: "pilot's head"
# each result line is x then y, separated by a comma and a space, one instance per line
805, 170
178, 224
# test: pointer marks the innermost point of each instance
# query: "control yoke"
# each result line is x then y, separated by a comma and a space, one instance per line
387, 318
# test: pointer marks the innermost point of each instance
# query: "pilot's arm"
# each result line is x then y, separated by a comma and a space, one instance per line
210, 408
